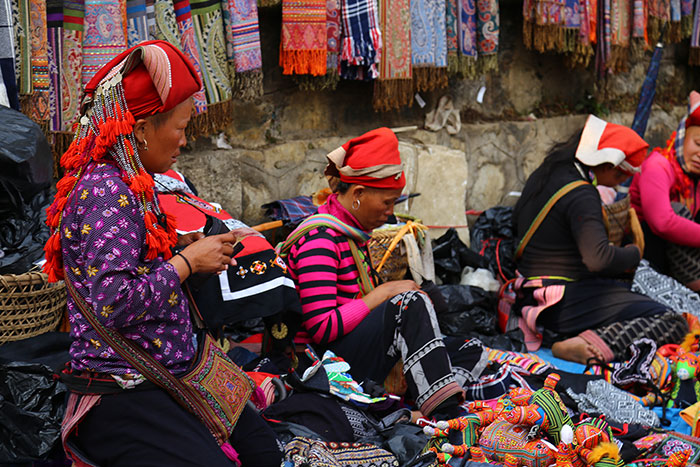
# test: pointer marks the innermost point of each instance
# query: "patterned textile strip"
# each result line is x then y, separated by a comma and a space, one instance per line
428, 44
304, 37
674, 31
209, 34
151, 18
54, 24
166, 25
659, 14
7, 54
23, 49
468, 49
694, 56
243, 48
72, 63
543, 22
639, 21
451, 30
394, 87
619, 34
488, 28
136, 23
573, 12
37, 107
188, 44
330, 80
531, 363
105, 34
686, 18
361, 41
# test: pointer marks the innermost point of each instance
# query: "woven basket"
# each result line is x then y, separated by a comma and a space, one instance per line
617, 220
395, 267
29, 305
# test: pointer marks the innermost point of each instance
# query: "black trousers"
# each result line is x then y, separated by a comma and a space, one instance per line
148, 428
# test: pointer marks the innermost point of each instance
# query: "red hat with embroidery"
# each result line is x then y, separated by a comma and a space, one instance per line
372, 159
602, 142
156, 77
693, 118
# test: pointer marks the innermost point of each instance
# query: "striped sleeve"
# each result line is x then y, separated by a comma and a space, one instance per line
323, 268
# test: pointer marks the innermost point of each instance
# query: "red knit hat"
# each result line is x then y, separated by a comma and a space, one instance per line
156, 77
602, 142
372, 159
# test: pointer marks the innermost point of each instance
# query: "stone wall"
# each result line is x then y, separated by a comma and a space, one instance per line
277, 144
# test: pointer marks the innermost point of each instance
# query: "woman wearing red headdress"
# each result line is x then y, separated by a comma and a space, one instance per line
371, 326
113, 245
571, 293
666, 197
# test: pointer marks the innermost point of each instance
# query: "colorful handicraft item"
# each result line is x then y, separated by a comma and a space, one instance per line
71, 63
543, 23
620, 28
54, 24
188, 44
304, 451
136, 22
101, 43
304, 37
38, 105
165, 22
394, 87
243, 48
361, 40
23, 55
428, 44
694, 57
488, 29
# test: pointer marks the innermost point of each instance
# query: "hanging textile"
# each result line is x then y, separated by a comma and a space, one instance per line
23, 48
243, 48
658, 16
393, 88
451, 31
694, 56
620, 29
71, 64
7, 54
686, 18
188, 45
573, 13
639, 22
428, 44
543, 22
209, 35
151, 18
674, 30
105, 34
165, 22
330, 80
136, 22
37, 106
467, 37
54, 29
488, 28
304, 37
361, 41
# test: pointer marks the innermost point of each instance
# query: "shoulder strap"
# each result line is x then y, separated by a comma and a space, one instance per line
543, 213
140, 360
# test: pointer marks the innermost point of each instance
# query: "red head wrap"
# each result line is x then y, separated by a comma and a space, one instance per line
156, 77
372, 159
603, 142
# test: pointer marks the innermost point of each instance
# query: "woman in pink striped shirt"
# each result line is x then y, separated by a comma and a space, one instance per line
345, 310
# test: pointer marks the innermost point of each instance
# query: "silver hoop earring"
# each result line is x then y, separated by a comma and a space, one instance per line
145, 145
358, 204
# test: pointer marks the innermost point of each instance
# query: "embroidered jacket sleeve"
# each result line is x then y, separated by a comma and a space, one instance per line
104, 246
655, 182
586, 221
326, 279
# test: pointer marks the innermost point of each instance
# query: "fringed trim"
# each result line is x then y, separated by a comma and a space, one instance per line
303, 62
686, 26
428, 78
217, 117
638, 47
654, 27
391, 94
327, 82
619, 58
543, 38
694, 56
580, 57
571, 39
488, 63
248, 85
268, 3
674, 32
463, 66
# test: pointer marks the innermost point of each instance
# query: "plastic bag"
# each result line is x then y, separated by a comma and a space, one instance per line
492, 236
451, 256
23, 233
31, 410
468, 309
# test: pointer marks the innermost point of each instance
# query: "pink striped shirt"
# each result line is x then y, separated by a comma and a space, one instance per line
324, 271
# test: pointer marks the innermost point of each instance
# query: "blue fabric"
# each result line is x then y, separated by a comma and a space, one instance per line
560, 364
677, 423
292, 210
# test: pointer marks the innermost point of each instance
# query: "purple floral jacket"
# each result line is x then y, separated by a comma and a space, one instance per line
103, 244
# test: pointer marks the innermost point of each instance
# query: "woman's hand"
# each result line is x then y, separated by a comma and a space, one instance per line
188, 239
207, 255
387, 290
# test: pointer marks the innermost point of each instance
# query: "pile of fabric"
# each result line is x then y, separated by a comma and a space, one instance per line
607, 29
50, 49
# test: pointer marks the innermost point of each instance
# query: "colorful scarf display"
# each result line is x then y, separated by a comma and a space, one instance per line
209, 33
165, 22
543, 22
428, 44
620, 30
330, 80
304, 37
104, 36
136, 22
394, 87
188, 45
71, 62
488, 24
467, 44
361, 40
243, 47
686, 18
